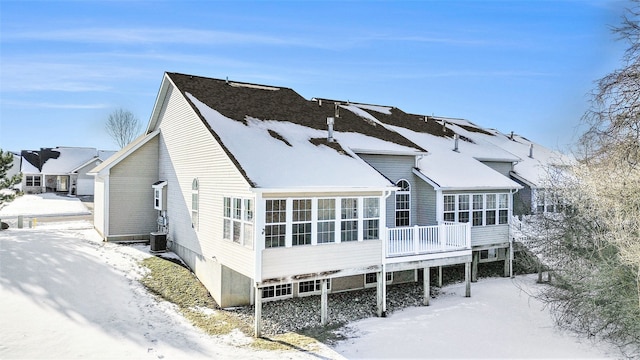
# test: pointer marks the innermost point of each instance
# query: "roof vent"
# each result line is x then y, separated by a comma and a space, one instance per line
531, 151
337, 110
330, 122
319, 102
227, 80
456, 138
511, 136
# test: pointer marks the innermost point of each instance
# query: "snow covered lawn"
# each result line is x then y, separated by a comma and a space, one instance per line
47, 204
66, 294
498, 321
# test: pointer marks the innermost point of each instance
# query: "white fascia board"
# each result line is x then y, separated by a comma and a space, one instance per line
323, 190
482, 188
529, 183
388, 152
426, 179
160, 100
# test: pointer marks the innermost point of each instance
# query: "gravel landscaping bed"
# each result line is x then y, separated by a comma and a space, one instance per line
303, 313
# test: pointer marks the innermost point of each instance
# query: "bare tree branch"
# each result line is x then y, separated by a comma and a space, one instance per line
123, 127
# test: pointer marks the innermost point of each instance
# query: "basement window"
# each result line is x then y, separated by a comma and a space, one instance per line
277, 291
312, 287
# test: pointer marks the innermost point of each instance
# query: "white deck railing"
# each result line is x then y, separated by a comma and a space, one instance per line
416, 240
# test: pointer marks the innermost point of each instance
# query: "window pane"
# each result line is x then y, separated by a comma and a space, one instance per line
276, 211
268, 292
450, 217
371, 229
463, 202
248, 210
463, 217
371, 208
326, 209
477, 202
274, 235
491, 217
349, 231
503, 201
477, 218
491, 201
402, 218
302, 210
301, 234
326, 232
503, 217
248, 235
449, 203
349, 208
236, 231
226, 231
402, 201
370, 278
237, 208
227, 207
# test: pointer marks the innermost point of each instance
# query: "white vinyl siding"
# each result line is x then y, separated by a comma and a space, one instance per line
188, 150
290, 261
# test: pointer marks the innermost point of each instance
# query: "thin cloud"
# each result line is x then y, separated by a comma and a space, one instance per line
135, 36
49, 105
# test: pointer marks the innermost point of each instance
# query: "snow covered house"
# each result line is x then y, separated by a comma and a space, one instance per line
267, 195
535, 167
60, 169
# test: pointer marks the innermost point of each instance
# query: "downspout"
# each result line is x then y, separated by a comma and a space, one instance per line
386, 195
512, 192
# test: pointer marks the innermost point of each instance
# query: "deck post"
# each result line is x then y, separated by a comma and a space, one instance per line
467, 278
257, 325
324, 306
426, 285
474, 270
439, 276
507, 262
381, 293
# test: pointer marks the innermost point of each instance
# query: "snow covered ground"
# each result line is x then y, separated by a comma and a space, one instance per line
65, 294
47, 204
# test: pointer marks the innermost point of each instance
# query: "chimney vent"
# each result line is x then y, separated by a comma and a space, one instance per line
319, 102
511, 136
337, 110
531, 151
456, 138
330, 122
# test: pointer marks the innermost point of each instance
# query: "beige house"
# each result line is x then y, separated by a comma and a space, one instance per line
266, 195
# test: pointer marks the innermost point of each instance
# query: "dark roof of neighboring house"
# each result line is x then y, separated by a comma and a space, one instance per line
237, 101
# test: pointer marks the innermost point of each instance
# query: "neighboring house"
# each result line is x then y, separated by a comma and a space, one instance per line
460, 180
266, 195
60, 169
536, 167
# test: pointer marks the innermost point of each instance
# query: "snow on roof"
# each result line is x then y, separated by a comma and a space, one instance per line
57, 161
282, 154
532, 170
452, 170
105, 154
69, 159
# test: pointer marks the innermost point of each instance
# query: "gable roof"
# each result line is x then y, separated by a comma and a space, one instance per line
283, 141
116, 158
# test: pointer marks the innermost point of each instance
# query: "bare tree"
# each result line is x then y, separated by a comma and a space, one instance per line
123, 127
592, 247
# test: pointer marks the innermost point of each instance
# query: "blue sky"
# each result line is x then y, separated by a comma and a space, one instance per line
523, 66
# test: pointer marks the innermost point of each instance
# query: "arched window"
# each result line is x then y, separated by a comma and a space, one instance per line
403, 203
195, 202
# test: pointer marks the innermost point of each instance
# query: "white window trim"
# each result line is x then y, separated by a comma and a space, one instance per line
318, 289
275, 297
484, 209
402, 192
242, 220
